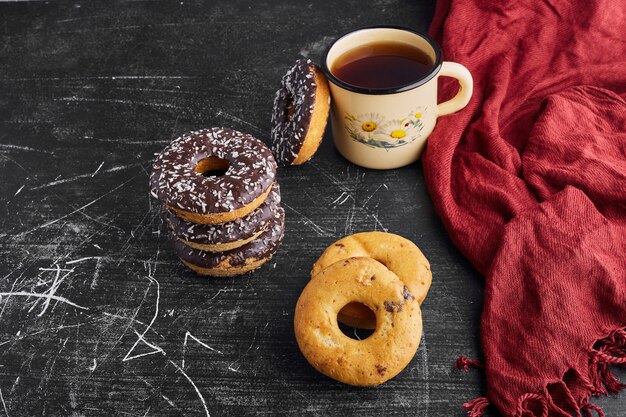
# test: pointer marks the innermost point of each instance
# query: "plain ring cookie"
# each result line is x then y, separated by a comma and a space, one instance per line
237, 261
366, 362
398, 254
177, 178
300, 113
225, 236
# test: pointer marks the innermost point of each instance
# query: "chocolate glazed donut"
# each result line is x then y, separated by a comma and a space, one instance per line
237, 261
300, 113
225, 236
177, 178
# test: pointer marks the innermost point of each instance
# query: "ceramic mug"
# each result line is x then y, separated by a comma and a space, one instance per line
405, 115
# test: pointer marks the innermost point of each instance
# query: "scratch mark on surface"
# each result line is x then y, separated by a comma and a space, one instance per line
189, 335
46, 296
117, 28
107, 77
51, 222
52, 290
86, 258
23, 148
238, 120
156, 348
230, 368
319, 230
372, 195
159, 90
50, 369
350, 220
20, 337
132, 319
4, 404
16, 163
77, 18
206, 410
253, 340
75, 99
375, 217
423, 370
13, 285
19, 191
126, 246
97, 169
90, 175
337, 199
96, 273
141, 336
55, 269
126, 141
170, 402
344, 196
221, 290
332, 178
17, 381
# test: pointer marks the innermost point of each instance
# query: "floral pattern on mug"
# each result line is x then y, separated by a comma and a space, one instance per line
374, 130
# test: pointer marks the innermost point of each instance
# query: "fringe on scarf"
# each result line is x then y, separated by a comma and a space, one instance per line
556, 400
466, 364
476, 407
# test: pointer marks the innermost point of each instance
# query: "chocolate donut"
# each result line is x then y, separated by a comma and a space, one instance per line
237, 261
300, 113
225, 236
177, 178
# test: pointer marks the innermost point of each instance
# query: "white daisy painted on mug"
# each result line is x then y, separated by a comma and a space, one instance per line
397, 130
368, 123
374, 130
418, 113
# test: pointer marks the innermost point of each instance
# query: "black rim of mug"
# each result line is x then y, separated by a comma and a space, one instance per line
392, 90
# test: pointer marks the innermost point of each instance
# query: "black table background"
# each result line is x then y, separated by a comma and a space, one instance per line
89, 92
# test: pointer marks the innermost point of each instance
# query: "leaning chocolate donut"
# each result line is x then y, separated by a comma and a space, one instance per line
300, 113
237, 261
225, 236
177, 175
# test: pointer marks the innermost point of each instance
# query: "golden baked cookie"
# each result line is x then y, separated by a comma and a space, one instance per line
366, 362
398, 254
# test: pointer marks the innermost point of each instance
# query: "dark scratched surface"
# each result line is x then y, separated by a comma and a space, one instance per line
97, 316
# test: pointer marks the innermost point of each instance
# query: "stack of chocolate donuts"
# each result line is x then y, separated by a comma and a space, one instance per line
220, 199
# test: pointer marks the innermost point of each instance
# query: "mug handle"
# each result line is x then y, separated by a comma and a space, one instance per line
466, 86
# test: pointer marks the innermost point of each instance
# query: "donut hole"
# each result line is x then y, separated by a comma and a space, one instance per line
212, 166
291, 107
351, 328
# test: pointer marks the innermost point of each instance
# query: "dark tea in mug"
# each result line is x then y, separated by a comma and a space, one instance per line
382, 65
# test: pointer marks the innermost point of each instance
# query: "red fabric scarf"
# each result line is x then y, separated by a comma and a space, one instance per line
530, 181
